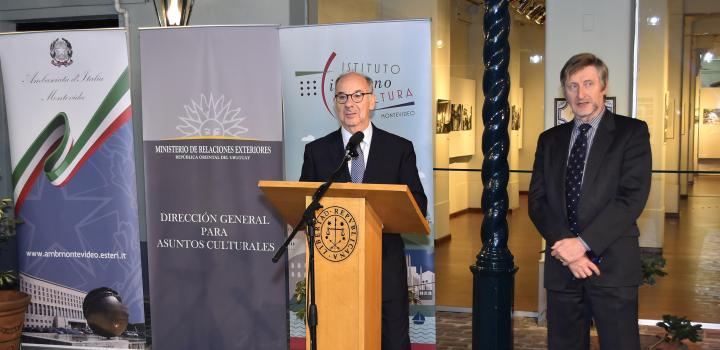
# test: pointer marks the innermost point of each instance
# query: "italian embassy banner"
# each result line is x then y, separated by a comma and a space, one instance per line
67, 99
212, 127
396, 55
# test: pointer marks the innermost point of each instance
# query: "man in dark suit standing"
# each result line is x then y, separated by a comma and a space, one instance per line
384, 158
590, 182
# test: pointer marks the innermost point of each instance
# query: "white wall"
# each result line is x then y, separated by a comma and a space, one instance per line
687, 109
695, 128
462, 91
241, 12
532, 80
601, 27
334, 11
674, 87
441, 90
652, 98
460, 73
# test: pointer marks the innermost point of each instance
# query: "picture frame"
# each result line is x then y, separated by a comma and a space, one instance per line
443, 124
564, 114
669, 115
461, 138
516, 118
711, 116
461, 117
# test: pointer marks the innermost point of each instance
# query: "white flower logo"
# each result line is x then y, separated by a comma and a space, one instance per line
211, 117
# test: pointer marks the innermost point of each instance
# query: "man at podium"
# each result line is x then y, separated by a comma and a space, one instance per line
383, 158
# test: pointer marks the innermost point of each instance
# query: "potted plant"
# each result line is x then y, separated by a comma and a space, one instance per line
13, 303
297, 303
652, 267
677, 329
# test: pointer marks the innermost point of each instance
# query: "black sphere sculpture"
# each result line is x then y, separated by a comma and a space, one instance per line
105, 313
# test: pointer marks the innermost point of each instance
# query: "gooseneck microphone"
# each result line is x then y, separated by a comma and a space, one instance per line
351, 148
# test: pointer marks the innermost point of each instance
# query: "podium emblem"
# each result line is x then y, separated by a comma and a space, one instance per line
335, 233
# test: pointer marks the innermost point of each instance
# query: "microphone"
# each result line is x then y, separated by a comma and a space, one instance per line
351, 148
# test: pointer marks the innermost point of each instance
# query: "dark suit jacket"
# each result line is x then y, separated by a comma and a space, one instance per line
391, 161
615, 188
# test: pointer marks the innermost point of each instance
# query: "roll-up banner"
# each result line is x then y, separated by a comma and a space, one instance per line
396, 55
212, 123
67, 99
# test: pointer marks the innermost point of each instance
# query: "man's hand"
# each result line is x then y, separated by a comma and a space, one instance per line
568, 250
583, 268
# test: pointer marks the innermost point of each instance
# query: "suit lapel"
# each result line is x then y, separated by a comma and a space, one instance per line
376, 146
337, 151
604, 137
560, 161
601, 142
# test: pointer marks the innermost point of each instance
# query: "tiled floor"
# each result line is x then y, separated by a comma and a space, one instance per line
454, 332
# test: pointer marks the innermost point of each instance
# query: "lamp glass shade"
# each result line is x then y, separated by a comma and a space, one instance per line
173, 12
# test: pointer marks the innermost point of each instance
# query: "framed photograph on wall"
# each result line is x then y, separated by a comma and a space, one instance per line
516, 118
462, 118
669, 109
711, 117
610, 103
443, 124
564, 114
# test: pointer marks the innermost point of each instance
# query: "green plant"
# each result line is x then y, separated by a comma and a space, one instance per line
7, 222
299, 296
677, 329
652, 267
8, 278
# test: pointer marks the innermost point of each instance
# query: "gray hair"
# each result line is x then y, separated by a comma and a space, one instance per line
367, 79
581, 61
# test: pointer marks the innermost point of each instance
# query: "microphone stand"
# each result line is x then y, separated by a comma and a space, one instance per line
308, 220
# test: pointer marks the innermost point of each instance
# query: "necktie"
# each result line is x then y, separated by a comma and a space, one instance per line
357, 170
573, 182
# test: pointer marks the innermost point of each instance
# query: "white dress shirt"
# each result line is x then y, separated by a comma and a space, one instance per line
364, 145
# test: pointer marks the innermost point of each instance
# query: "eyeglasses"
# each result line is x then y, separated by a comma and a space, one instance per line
357, 97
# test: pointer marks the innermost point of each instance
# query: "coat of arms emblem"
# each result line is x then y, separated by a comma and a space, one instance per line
61, 52
336, 233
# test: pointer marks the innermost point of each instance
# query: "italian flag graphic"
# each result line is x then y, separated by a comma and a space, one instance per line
57, 155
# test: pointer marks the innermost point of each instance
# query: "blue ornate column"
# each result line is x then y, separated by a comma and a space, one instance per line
494, 269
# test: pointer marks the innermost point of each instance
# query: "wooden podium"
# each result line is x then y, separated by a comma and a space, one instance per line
348, 252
